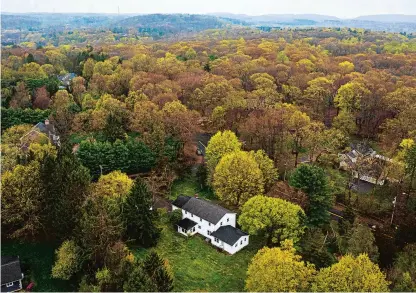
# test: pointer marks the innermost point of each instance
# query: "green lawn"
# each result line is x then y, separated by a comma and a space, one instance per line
188, 185
37, 261
198, 266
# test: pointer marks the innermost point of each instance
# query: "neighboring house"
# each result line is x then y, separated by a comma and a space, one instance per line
66, 80
11, 274
364, 163
212, 221
42, 128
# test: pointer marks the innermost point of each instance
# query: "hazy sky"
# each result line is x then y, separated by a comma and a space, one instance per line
339, 8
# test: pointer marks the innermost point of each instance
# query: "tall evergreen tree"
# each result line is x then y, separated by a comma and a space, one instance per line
156, 269
139, 215
313, 181
66, 183
139, 281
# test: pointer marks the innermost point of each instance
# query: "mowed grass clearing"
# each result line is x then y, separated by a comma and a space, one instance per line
188, 185
199, 266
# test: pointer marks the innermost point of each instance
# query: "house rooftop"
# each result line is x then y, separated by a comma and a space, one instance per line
186, 223
228, 234
10, 269
181, 201
202, 208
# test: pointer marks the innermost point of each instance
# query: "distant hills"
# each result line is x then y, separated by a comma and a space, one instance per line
172, 23
158, 25
278, 18
388, 18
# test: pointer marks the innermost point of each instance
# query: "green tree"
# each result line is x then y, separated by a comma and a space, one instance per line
158, 271
219, 145
139, 216
139, 281
351, 274
237, 178
362, 241
66, 183
403, 272
279, 270
67, 260
274, 218
314, 248
313, 181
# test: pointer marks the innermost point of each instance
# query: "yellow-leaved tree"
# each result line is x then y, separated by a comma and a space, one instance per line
237, 178
219, 145
113, 185
279, 270
351, 274
274, 218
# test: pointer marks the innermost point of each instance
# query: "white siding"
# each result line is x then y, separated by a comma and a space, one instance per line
204, 228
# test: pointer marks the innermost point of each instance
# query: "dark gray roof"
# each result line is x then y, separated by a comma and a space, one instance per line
351, 154
362, 186
228, 234
202, 208
180, 201
46, 129
363, 148
186, 224
10, 269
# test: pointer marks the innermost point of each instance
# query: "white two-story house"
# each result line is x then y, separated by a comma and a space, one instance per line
212, 221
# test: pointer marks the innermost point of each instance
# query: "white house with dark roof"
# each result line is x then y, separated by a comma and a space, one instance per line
212, 221
11, 274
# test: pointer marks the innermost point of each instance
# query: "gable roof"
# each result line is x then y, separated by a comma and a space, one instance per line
202, 208
10, 269
180, 201
228, 234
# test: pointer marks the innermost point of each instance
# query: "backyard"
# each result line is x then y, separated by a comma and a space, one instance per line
198, 266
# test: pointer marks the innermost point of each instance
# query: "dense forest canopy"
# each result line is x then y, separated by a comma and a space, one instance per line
282, 109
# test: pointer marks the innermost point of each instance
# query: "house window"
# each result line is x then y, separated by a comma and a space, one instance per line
200, 219
186, 212
245, 239
209, 232
192, 216
199, 227
236, 244
209, 224
228, 219
216, 239
183, 230
9, 284
241, 242
221, 223
193, 230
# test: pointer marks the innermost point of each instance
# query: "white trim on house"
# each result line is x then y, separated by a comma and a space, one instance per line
206, 228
